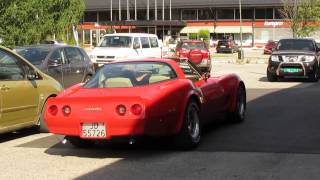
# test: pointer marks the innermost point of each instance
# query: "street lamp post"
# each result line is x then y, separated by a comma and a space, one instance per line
240, 53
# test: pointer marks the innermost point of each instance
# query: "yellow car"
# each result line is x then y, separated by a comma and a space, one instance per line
23, 93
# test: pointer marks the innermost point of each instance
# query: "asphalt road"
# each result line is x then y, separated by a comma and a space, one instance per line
279, 140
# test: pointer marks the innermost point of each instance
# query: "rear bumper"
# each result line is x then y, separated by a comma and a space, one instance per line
205, 64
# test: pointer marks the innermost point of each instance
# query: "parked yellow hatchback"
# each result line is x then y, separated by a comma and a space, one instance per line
23, 92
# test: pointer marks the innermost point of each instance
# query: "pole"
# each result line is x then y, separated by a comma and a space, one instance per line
148, 10
170, 11
240, 56
119, 10
128, 11
110, 10
135, 9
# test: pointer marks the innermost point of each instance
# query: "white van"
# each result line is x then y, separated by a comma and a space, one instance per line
122, 46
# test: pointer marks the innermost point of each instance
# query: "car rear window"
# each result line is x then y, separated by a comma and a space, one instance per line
131, 74
35, 55
296, 44
223, 43
193, 45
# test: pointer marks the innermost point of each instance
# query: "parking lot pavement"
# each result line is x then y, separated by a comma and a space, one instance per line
254, 76
251, 56
278, 140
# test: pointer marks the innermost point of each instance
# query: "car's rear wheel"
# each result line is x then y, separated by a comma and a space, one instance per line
190, 133
78, 142
271, 77
43, 128
238, 115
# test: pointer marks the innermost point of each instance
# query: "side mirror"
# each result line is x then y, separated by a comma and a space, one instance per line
32, 75
54, 63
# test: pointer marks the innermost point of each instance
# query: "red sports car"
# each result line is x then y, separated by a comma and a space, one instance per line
158, 97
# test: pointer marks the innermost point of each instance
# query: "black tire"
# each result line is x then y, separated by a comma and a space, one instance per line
271, 77
314, 76
190, 133
78, 142
241, 102
43, 128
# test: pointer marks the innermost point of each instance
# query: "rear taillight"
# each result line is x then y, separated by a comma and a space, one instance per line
53, 110
121, 110
136, 109
66, 110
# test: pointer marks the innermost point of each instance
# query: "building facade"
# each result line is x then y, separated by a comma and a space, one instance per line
261, 20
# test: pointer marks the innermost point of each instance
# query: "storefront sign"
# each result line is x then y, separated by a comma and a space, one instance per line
273, 23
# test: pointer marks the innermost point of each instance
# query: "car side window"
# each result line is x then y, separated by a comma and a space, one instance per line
73, 55
10, 68
136, 43
154, 42
56, 57
145, 42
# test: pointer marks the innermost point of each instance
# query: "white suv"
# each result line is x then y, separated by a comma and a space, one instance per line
122, 46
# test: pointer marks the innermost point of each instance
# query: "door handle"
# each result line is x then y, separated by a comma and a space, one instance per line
4, 88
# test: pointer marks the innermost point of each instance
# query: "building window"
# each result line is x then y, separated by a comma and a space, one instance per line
104, 16
225, 14
115, 15
264, 13
176, 14
277, 14
189, 14
205, 14
90, 17
141, 14
246, 14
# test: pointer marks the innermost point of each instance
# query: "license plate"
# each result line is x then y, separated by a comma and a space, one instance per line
93, 130
223, 46
291, 70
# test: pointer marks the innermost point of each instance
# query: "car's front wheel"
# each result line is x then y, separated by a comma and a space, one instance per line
190, 133
314, 76
271, 77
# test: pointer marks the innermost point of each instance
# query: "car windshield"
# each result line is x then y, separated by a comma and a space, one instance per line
131, 74
35, 55
116, 41
193, 45
296, 44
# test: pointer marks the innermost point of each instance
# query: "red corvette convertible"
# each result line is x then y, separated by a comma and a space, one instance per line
158, 97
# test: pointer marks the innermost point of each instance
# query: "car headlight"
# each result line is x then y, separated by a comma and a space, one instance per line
275, 58
308, 58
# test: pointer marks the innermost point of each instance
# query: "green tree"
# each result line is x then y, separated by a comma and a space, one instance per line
302, 16
30, 21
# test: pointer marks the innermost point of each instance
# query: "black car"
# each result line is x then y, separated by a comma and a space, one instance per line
294, 57
227, 45
67, 64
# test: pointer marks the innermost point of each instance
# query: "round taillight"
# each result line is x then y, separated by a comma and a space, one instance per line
121, 110
53, 110
66, 110
136, 109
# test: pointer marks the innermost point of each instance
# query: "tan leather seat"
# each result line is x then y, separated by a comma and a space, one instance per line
157, 78
118, 82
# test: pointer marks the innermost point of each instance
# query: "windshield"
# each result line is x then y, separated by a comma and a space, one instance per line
131, 74
116, 41
34, 55
193, 45
296, 44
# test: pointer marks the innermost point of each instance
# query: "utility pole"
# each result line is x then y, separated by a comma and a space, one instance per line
240, 53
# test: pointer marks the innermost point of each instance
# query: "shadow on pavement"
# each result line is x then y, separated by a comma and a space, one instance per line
18, 134
289, 79
277, 121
